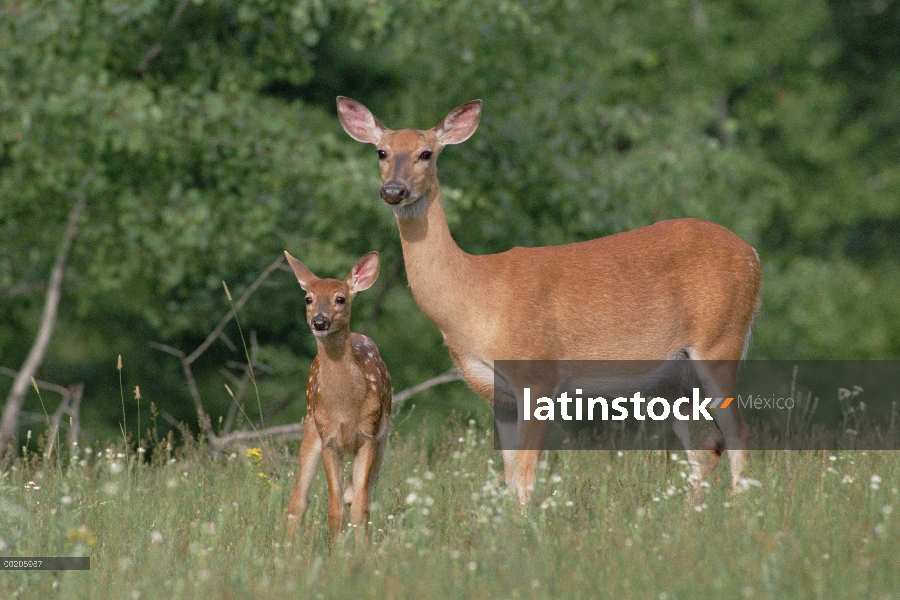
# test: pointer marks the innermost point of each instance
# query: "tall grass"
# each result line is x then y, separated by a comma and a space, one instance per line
603, 524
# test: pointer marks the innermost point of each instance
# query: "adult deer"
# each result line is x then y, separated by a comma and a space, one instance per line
683, 287
348, 399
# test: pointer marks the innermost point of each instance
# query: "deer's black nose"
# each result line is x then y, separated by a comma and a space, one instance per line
320, 323
394, 192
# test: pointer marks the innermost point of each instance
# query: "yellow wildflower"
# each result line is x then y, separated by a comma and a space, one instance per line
82, 535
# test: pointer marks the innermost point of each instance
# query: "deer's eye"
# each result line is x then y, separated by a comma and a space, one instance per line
340, 299
425, 155
308, 300
382, 155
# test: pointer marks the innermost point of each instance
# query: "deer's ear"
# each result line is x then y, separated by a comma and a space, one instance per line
358, 121
364, 273
304, 276
459, 124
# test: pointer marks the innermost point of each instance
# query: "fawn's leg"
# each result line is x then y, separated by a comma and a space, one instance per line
310, 454
381, 446
363, 467
333, 461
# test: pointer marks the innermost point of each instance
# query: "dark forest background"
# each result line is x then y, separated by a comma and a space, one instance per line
202, 138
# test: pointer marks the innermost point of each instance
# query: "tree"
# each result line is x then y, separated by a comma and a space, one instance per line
203, 139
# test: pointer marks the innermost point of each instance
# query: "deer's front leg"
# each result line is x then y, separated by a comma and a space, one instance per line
333, 461
364, 469
310, 454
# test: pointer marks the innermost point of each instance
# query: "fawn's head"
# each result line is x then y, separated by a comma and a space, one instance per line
328, 300
408, 157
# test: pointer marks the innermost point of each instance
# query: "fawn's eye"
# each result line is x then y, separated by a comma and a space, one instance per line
425, 155
340, 299
382, 155
309, 300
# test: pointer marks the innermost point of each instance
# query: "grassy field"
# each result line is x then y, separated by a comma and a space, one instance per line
603, 524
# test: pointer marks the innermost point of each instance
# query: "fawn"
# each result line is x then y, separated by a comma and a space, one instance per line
348, 399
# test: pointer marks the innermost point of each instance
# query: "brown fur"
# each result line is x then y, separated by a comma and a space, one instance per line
685, 285
348, 399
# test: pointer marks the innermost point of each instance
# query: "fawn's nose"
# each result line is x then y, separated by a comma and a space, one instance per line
320, 323
394, 192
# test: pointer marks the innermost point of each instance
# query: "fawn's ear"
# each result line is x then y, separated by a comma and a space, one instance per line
358, 121
364, 273
460, 124
304, 276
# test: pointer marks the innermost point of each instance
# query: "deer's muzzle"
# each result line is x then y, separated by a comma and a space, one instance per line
394, 192
320, 323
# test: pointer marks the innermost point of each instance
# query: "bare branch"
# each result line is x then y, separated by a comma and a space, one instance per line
179, 425
167, 349
223, 337
202, 417
237, 306
70, 405
44, 385
446, 377
234, 379
10, 420
289, 431
186, 361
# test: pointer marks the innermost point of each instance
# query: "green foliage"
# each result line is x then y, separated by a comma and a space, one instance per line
203, 137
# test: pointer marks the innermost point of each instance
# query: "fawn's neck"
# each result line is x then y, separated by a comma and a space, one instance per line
334, 348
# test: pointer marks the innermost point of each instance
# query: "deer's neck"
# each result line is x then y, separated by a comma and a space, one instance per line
342, 383
440, 274
335, 351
